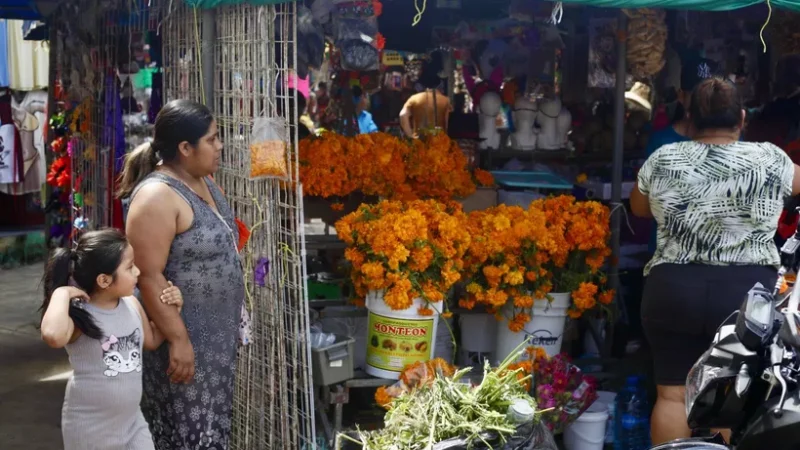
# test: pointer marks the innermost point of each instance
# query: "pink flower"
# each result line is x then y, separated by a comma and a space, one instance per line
560, 381
545, 392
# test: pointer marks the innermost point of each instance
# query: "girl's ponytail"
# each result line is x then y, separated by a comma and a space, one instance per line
139, 163
57, 274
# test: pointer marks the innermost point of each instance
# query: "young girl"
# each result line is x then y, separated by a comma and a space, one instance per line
104, 330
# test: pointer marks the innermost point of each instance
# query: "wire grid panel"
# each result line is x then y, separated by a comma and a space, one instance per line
86, 65
182, 31
255, 49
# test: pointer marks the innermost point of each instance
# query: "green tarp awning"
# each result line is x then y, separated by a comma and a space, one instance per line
698, 5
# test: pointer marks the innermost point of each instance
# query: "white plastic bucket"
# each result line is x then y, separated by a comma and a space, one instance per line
546, 328
478, 332
396, 339
589, 429
610, 400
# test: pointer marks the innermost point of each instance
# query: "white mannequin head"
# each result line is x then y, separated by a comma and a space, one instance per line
490, 103
525, 112
551, 107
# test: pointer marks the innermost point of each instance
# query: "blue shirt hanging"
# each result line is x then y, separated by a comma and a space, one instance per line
4, 78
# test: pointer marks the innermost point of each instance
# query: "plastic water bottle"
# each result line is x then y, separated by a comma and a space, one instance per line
632, 417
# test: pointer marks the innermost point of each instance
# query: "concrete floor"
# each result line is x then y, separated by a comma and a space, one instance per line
32, 376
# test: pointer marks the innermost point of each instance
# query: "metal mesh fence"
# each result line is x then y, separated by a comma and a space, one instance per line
253, 55
181, 31
85, 65
254, 52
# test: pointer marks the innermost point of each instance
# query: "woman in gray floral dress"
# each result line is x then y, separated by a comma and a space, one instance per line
183, 230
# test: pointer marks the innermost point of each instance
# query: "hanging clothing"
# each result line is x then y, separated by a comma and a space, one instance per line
8, 160
29, 119
28, 61
11, 168
4, 79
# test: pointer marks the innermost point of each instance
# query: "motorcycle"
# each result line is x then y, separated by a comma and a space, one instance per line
748, 381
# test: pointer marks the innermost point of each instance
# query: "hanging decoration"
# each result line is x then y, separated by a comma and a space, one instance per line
356, 34
784, 33
647, 41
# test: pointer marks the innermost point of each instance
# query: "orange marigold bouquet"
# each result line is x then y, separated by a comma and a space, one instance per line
413, 376
380, 164
437, 168
503, 264
574, 249
408, 250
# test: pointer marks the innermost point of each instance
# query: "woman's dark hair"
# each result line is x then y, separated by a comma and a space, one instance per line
716, 104
178, 121
98, 253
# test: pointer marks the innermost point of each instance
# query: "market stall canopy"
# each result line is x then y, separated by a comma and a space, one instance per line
26, 9
697, 5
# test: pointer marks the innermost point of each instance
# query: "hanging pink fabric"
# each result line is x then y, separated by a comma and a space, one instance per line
477, 90
300, 84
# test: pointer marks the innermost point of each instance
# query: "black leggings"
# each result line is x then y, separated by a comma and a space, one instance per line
684, 304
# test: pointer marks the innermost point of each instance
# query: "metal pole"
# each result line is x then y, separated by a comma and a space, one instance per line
616, 170
52, 110
209, 37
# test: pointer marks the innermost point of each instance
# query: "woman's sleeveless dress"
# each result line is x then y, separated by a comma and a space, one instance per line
204, 263
101, 406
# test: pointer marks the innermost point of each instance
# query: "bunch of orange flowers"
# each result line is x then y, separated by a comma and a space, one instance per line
532, 358
412, 377
384, 165
574, 249
407, 250
503, 265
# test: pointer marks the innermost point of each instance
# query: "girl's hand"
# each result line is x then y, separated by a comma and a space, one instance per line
71, 292
172, 296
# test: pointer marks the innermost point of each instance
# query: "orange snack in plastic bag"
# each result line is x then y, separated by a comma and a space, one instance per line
268, 159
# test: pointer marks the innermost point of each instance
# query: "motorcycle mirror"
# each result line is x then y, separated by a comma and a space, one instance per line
756, 318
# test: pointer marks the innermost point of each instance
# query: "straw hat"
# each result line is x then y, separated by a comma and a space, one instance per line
640, 93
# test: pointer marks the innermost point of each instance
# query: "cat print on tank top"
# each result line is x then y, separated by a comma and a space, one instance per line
122, 355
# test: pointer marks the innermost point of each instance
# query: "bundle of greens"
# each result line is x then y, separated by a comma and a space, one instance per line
449, 408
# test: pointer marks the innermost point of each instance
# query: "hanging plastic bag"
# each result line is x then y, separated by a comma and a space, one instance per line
268, 143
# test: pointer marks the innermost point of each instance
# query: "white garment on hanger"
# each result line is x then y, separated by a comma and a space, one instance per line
31, 143
35, 102
8, 164
28, 61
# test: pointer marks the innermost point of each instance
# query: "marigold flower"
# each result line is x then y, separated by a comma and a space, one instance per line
606, 297
584, 297
382, 397
433, 166
392, 243
483, 177
425, 311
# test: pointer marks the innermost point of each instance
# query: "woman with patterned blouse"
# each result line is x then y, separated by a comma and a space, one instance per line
716, 202
182, 229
